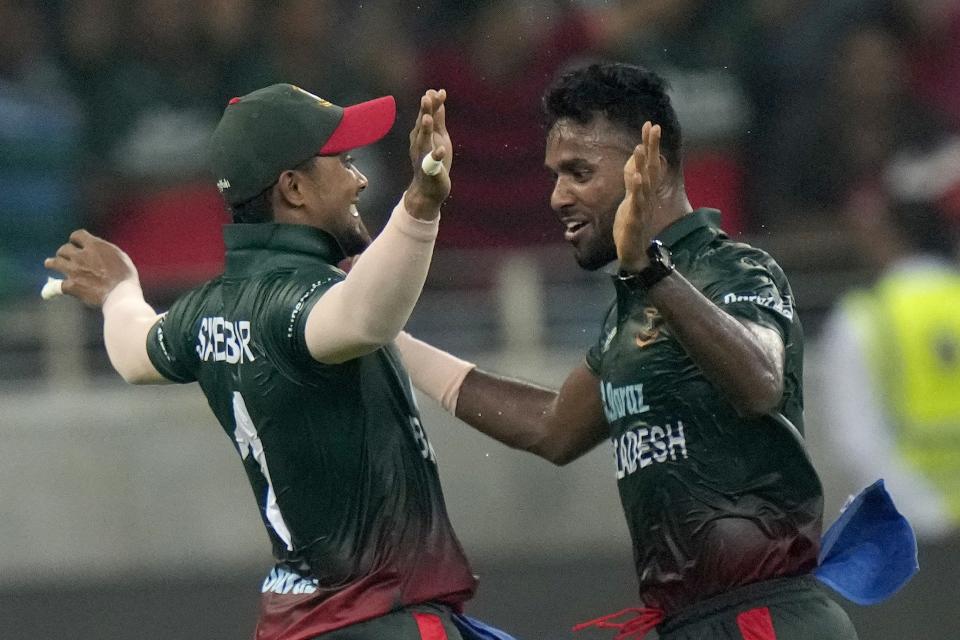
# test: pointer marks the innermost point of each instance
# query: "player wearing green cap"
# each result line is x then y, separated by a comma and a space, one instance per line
295, 359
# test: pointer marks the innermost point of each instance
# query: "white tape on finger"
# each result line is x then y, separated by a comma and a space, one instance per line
52, 289
430, 165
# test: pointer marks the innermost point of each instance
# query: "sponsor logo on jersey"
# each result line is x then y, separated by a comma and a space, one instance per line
620, 402
641, 447
649, 329
778, 304
301, 303
286, 582
222, 340
162, 339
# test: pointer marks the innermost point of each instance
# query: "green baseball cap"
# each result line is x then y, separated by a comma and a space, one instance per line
273, 129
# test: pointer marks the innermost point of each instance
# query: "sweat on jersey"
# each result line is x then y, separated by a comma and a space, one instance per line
713, 501
338, 460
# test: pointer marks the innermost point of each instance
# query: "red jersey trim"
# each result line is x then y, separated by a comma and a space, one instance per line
430, 626
756, 624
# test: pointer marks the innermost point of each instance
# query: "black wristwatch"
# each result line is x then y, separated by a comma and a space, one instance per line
661, 265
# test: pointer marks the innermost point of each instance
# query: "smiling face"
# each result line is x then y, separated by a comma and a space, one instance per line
329, 188
587, 163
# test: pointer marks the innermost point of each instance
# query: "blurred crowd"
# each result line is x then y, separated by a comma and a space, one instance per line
794, 111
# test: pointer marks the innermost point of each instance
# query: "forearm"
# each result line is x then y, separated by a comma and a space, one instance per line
370, 307
558, 426
745, 363
513, 412
127, 320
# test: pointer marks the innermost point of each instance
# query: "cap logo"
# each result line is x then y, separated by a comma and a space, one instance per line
320, 101
223, 184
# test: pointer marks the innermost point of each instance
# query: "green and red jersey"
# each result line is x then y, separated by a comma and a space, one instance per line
336, 455
713, 500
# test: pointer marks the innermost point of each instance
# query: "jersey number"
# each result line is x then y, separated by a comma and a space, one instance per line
248, 441
426, 449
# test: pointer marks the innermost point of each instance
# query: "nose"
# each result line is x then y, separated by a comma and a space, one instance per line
361, 179
561, 196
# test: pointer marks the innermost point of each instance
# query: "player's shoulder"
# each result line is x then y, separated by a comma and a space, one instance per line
197, 296
300, 282
731, 256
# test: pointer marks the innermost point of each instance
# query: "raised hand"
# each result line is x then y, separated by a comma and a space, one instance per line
429, 136
92, 267
642, 177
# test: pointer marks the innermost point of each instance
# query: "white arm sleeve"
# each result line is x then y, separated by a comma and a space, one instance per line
127, 320
370, 307
436, 373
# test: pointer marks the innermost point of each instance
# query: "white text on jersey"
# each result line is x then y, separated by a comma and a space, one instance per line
223, 340
641, 447
285, 582
619, 402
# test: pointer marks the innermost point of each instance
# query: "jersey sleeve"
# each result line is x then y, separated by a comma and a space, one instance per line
284, 312
749, 285
170, 343
594, 356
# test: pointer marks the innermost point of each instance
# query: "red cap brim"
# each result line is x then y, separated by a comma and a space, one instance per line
362, 124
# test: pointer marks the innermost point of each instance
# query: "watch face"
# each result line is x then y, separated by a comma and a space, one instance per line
659, 253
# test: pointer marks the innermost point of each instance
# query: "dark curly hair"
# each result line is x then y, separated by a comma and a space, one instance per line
628, 95
255, 210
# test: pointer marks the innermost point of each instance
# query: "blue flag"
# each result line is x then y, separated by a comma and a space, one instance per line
473, 629
870, 552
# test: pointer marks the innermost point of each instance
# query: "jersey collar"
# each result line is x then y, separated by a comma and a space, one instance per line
688, 224
248, 245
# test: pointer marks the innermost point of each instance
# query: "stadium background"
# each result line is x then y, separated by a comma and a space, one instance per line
123, 514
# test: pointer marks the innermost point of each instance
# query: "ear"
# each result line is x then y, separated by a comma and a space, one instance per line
290, 189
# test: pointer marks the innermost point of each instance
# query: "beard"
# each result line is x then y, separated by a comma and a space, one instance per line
598, 250
354, 239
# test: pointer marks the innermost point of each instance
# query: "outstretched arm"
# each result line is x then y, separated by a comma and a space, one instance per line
743, 359
100, 274
559, 426
368, 309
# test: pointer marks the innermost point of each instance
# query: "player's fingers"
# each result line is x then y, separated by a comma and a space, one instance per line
81, 237
655, 133
440, 120
67, 252
440, 113
416, 132
642, 173
426, 129
630, 166
653, 153
56, 264
68, 286
426, 103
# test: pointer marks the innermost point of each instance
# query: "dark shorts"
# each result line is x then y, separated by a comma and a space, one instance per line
781, 609
419, 622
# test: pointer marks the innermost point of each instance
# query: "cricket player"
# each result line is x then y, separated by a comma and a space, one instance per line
695, 381
295, 359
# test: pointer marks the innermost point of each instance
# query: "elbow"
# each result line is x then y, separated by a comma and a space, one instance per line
368, 337
135, 376
361, 343
761, 397
554, 452
564, 458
